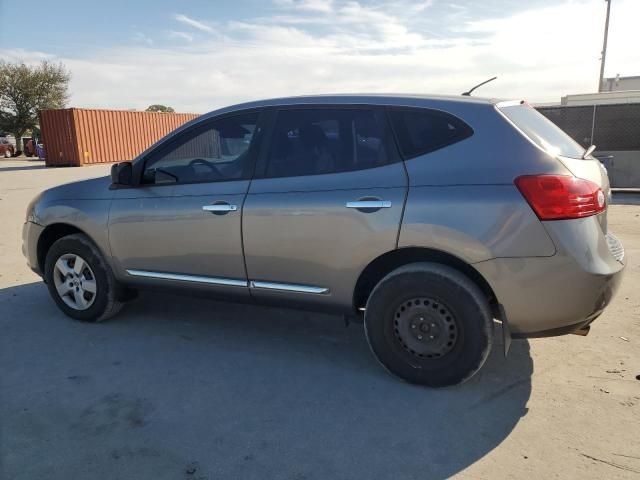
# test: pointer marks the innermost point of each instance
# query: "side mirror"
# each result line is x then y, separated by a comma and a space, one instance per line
122, 174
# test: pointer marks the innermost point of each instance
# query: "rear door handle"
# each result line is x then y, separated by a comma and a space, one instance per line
367, 204
220, 207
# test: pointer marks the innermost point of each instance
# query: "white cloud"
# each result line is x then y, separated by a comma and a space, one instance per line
423, 5
325, 6
142, 38
193, 23
181, 35
537, 54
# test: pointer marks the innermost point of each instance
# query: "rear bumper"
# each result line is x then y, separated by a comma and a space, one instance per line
30, 235
547, 296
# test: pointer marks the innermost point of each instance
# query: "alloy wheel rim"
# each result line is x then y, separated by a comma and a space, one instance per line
425, 327
74, 281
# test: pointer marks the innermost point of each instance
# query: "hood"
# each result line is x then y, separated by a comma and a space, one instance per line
93, 189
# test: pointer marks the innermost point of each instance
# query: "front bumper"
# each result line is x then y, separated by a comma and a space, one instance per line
546, 296
30, 236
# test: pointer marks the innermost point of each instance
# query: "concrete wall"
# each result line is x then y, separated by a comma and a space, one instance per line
623, 167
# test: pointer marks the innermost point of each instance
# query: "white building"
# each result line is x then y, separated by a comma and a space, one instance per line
619, 84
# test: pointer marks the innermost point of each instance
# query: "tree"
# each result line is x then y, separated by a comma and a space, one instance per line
24, 90
160, 108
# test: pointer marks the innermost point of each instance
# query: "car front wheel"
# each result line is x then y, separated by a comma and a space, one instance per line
429, 324
80, 281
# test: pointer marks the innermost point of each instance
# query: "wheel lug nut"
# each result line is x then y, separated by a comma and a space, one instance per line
419, 337
431, 337
413, 326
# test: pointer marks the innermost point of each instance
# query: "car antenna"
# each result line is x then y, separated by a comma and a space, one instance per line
468, 94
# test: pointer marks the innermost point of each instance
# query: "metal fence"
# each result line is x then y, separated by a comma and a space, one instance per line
609, 127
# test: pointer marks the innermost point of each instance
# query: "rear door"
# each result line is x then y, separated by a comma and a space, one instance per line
327, 199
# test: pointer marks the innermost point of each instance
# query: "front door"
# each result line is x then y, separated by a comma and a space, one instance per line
327, 199
182, 224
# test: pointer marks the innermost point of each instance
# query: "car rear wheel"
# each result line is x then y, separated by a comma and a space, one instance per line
429, 324
80, 281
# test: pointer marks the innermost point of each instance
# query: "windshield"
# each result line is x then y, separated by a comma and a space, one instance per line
542, 131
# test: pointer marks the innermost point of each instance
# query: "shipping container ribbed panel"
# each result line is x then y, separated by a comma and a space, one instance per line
76, 136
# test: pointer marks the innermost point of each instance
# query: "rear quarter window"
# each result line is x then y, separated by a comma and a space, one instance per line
421, 130
542, 131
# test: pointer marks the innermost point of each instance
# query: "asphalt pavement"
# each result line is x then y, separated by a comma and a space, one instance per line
188, 388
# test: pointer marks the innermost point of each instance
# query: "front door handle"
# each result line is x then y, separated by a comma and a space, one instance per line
369, 204
220, 207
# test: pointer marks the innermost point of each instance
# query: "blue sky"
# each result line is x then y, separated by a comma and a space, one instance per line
197, 55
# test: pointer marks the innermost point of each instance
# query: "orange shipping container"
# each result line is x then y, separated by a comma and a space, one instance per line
77, 136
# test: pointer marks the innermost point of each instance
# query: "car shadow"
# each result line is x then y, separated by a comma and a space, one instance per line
177, 384
22, 167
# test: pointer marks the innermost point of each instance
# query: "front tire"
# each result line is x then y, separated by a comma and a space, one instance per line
80, 281
429, 324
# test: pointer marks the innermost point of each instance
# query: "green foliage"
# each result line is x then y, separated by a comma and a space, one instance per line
160, 108
25, 89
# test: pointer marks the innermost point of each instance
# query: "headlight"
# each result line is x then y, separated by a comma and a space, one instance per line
31, 210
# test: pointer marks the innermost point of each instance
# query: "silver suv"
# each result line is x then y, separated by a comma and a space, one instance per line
428, 217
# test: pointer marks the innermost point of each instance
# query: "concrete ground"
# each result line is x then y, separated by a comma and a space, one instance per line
183, 388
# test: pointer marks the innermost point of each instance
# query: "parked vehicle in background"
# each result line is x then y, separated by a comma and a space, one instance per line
427, 216
29, 147
6, 148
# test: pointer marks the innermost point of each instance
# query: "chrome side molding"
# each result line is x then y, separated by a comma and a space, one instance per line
231, 282
288, 287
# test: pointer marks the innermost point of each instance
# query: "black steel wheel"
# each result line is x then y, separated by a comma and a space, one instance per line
425, 327
429, 324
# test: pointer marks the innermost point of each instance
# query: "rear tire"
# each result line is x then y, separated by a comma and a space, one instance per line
429, 324
80, 281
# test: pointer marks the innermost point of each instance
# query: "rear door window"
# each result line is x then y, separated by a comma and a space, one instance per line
420, 130
542, 131
327, 140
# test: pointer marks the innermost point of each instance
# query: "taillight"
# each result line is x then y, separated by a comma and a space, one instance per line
559, 197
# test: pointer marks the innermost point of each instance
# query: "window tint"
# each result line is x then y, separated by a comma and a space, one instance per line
211, 152
420, 131
317, 141
542, 131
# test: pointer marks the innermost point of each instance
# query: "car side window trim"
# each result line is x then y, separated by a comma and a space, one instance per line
140, 164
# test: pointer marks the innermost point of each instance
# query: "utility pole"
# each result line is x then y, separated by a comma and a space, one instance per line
604, 46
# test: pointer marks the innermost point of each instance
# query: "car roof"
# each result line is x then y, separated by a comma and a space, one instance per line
386, 99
